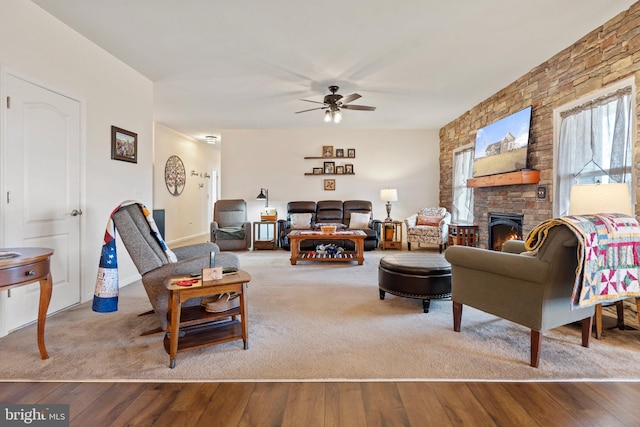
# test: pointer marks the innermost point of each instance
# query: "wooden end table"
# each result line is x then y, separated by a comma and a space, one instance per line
264, 235
463, 235
391, 234
31, 265
199, 327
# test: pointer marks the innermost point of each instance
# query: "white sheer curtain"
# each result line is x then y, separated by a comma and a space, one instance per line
462, 209
594, 145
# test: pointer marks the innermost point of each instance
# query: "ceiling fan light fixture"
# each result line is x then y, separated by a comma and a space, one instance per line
327, 116
337, 116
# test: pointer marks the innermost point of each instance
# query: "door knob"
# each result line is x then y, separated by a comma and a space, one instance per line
76, 212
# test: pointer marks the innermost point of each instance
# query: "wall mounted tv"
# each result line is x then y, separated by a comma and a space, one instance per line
502, 146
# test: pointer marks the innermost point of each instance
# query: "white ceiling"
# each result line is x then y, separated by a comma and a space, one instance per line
245, 64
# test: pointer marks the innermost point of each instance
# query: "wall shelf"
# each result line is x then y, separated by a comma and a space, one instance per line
334, 157
320, 174
528, 176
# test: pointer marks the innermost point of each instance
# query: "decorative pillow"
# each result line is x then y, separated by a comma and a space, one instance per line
432, 221
301, 221
359, 220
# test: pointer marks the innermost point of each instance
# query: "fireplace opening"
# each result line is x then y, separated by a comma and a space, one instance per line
503, 227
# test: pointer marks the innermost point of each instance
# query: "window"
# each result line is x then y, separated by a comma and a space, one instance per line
462, 206
594, 143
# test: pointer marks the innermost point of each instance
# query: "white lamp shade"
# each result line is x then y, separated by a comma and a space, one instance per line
389, 195
600, 198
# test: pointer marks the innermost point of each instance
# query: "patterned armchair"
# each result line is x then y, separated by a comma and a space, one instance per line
429, 226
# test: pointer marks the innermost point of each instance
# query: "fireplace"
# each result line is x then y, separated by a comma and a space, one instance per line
503, 227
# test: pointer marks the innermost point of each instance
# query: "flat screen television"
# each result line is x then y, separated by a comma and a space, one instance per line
502, 146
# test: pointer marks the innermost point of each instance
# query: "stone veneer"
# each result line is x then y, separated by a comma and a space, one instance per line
606, 55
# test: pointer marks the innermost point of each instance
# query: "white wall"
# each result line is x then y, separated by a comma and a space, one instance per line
39, 47
186, 215
274, 159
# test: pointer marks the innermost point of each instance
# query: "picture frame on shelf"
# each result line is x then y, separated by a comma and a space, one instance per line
340, 170
318, 171
351, 153
124, 145
327, 151
348, 169
329, 167
339, 152
329, 184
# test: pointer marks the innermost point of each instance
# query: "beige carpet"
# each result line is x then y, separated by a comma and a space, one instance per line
315, 321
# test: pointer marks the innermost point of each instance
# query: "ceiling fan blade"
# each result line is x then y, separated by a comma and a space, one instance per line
311, 109
315, 102
358, 107
350, 98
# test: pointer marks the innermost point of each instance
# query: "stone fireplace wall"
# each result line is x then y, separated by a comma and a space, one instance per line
606, 55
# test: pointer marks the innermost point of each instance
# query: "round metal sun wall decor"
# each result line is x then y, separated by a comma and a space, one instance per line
175, 176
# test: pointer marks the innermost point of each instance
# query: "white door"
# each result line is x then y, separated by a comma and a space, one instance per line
41, 163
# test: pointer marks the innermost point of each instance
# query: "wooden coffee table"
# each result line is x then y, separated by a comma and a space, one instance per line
356, 236
198, 327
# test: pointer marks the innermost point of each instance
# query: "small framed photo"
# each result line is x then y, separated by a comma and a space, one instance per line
329, 167
318, 171
340, 170
329, 184
339, 152
348, 169
327, 151
351, 153
124, 145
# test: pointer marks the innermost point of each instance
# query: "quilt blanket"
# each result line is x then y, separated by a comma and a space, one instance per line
608, 256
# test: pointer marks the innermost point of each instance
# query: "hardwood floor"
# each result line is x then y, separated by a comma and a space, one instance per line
337, 403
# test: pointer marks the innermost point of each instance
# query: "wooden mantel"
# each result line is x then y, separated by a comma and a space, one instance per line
529, 176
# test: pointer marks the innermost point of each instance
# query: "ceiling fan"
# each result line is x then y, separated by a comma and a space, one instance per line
334, 102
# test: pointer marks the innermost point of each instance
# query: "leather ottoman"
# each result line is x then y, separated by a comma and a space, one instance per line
414, 275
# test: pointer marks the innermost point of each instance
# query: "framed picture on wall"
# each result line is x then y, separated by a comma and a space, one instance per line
318, 171
351, 153
329, 167
340, 170
339, 152
124, 145
329, 184
348, 168
327, 151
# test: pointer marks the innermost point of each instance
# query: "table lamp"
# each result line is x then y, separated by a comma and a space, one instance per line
266, 214
588, 199
389, 195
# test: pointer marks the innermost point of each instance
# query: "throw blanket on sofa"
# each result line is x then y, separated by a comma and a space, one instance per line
608, 256
105, 297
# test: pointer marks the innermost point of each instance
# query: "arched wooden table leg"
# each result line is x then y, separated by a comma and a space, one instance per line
45, 298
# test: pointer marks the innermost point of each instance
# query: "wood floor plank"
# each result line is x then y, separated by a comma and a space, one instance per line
461, 405
618, 398
584, 408
540, 405
421, 403
226, 405
501, 405
266, 405
77, 395
344, 405
383, 405
146, 407
305, 405
32, 393
109, 405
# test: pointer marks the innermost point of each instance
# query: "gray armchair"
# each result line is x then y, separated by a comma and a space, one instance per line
533, 290
230, 229
151, 262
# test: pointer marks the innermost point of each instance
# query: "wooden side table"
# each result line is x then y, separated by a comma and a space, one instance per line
198, 327
391, 234
264, 235
463, 234
31, 265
